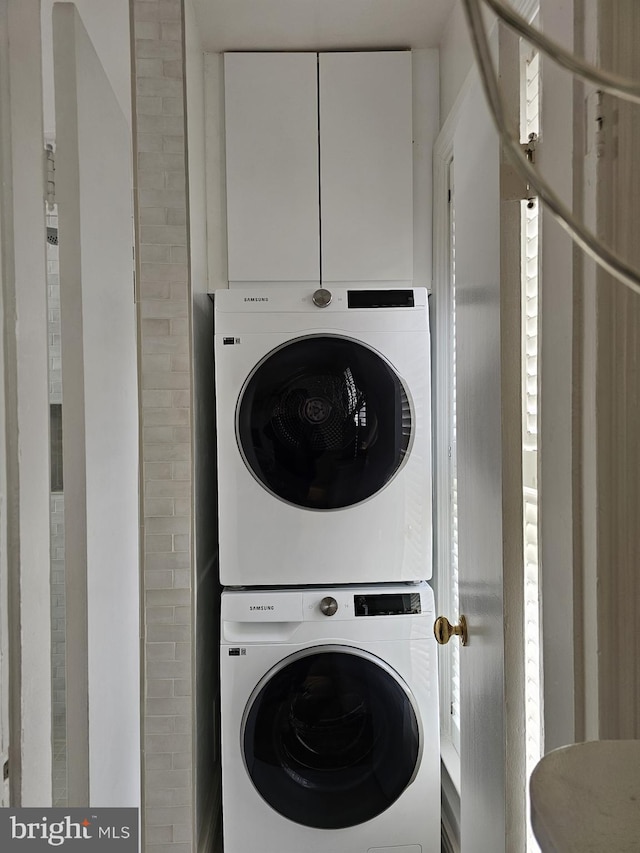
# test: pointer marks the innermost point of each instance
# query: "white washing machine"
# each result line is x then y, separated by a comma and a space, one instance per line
330, 736
323, 435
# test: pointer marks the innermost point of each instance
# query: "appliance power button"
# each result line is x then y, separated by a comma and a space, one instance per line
329, 606
321, 298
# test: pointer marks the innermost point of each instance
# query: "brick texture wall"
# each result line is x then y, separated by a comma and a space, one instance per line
164, 346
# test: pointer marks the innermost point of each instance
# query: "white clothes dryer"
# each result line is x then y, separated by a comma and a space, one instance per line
323, 435
329, 709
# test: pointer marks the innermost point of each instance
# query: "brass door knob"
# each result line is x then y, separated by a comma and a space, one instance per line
444, 630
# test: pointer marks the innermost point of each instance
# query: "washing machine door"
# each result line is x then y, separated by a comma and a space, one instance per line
331, 737
324, 422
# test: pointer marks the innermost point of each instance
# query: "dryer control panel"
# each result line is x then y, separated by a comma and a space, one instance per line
387, 604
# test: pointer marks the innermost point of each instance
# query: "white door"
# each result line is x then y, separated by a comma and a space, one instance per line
489, 483
100, 424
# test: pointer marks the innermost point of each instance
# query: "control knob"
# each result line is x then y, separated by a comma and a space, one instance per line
328, 606
321, 298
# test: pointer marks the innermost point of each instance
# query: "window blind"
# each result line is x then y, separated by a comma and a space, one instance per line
530, 266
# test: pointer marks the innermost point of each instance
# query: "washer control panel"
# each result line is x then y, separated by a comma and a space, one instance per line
280, 610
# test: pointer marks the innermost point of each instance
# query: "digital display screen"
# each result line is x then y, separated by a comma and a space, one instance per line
387, 604
380, 299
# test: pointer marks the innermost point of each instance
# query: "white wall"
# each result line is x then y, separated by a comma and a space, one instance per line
456, 60
100, 419
456, 52
107, 23
611, 347
27, 415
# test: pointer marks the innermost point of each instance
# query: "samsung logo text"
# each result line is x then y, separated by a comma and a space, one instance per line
261, 607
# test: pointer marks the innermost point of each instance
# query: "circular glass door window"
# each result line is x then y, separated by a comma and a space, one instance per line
324, 422
331, 740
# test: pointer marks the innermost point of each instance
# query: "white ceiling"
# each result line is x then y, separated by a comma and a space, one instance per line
320, 24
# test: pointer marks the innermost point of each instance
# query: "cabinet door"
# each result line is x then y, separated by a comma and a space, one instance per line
271, 116
366, 166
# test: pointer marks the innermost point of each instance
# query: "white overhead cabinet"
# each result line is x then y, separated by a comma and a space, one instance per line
271, 119
366, 166
319, 167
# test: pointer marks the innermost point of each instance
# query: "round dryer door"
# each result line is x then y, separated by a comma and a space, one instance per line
324, 422
331, 737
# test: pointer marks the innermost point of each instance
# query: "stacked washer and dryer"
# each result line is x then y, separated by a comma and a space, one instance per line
329, 693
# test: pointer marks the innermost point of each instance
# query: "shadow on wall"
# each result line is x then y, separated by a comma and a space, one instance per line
207, 631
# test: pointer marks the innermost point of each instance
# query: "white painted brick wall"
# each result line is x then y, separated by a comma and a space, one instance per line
164, 309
